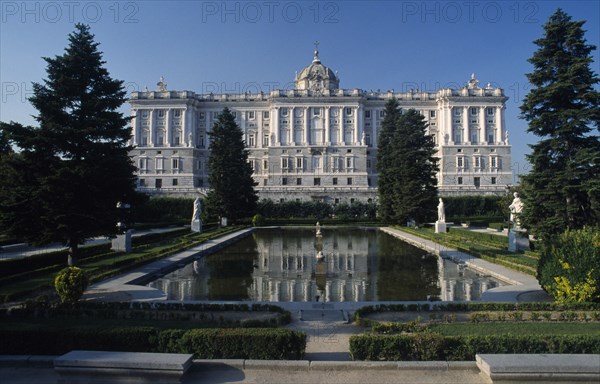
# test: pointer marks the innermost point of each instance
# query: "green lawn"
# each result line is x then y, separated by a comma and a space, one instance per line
537, 328
490, 247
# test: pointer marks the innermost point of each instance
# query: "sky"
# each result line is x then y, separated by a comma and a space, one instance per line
238, 46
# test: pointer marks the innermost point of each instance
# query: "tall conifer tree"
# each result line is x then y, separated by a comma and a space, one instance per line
67, 175
386, 166
407, 166
562, 189
232, 192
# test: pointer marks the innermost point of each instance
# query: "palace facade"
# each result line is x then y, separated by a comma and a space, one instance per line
318, 141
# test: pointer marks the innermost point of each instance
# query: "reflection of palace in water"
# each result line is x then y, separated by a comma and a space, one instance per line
460, 283
287, 268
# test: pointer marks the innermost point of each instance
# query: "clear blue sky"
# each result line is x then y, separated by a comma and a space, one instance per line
236, 46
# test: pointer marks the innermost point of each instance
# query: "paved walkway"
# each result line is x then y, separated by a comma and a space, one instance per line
37, 369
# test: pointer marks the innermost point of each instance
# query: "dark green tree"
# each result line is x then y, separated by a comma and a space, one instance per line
67, 175
407, 167
232, 192
562, 190
386, 165
414, 155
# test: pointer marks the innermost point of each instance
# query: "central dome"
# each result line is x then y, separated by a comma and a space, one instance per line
317, 77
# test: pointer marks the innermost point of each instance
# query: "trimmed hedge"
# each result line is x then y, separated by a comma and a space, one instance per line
238, 343
429, 346
234, 343
198, 313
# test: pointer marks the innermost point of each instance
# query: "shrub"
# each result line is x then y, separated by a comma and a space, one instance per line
258, 220
569, 267
70, 283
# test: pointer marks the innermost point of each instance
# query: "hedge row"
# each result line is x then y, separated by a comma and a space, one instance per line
229, 343
201, 313
430, 346
476, 306
316, 209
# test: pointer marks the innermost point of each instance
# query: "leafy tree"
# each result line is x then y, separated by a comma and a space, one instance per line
407, 167
563, 188
68, 174
232, 192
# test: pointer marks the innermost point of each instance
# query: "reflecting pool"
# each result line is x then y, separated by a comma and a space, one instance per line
342, 264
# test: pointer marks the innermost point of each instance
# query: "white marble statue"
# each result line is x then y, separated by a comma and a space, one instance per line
441, 211
318, 229
197, 209
516, 207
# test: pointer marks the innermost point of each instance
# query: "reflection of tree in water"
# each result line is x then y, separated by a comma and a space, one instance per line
405, 272
231, 270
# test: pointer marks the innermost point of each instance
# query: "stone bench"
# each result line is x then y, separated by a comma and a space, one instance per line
551, 368
94, 367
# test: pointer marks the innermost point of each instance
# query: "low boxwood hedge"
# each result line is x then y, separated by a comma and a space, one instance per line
229, 343
430, 346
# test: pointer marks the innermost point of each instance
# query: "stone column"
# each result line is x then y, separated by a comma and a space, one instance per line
135, 139
466, 130
306, 126
168, 128
327, 134
342, 127
285, 138
275, 127
152, 128
375, 138
358, 126
482, 125
498, 125
448, 123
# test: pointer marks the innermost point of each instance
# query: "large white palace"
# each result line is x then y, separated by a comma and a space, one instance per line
318, 141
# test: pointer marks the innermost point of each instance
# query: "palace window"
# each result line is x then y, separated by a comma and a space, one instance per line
459, 181
160, 163
284, 111
316, 111
161, 113
266, 140
367, 114
265, 114
477, 182
493, 181
175, 164
145, 113
348, 111
317, 181
432, 114
349, 181
251, 140
177, 112
298, 181
335, 181
284, 181
251, 115
174, 182
490, 111
474, 110
201, 115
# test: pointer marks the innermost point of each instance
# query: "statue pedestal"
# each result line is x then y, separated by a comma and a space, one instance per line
197, 226
122, 242
518, 240
440, 227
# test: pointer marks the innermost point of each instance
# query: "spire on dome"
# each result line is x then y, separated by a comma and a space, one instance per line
316, 58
